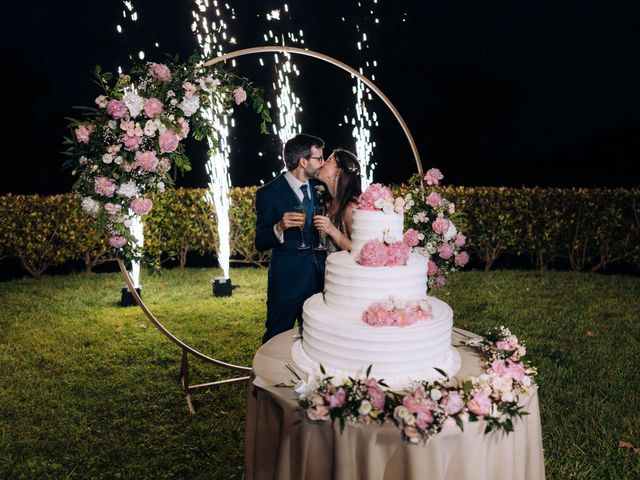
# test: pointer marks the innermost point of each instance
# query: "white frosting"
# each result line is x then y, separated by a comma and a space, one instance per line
351, 287
370, 224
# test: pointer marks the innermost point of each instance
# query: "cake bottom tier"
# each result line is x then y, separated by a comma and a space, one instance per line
345, 346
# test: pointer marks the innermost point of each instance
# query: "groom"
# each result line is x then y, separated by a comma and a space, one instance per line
294, 274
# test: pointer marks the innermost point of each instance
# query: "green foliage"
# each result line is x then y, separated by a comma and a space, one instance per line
243, 226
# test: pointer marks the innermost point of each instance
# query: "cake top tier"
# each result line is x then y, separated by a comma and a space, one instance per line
371, 224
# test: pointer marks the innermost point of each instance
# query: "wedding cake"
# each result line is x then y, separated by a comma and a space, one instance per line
376, 316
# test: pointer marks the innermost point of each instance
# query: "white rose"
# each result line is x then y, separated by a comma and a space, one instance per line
107, 158
451, 232
134, 102
83, 160
118, 160
365, 408
420, 236
173, 102
128, 189
170, 94
209, 84
102, 101
160, 186
113, 124
452, 208
127, 223
190, 105
435, 394
150, 128
89, 205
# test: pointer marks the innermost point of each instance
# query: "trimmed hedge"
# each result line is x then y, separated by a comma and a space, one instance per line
587, 229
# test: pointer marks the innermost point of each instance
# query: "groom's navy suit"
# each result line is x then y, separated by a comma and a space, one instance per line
294, 275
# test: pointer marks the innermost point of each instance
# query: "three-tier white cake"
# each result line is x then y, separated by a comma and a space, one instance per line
335, 336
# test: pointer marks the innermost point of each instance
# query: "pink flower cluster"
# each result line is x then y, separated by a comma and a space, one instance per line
239, 95
372, 194
141, 206
433, 176
385, 314
375, 253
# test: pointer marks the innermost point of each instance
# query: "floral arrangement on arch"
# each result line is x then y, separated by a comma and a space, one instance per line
426, 408
431, 217
125, 148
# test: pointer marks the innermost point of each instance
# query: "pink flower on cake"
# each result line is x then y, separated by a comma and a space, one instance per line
411, 237
141, 206
445, 251
480, 404
168, 141
460, 240
117, 241
117, 108
152, 107
432, 268
146, 160
373, 254
440, 225
434, 200
452, 403
433, 176
239, 95
375, 192
82, 134
378, 315
104, 186
160, 71
397, 254
398, 205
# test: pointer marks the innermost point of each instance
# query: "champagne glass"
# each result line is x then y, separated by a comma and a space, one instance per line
300, 209
321, 211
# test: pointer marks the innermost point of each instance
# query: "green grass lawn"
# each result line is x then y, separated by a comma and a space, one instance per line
89, 389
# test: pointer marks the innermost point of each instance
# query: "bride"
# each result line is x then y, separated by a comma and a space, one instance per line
341, 174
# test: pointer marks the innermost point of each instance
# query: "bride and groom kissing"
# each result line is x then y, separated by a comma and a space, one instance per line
286, 224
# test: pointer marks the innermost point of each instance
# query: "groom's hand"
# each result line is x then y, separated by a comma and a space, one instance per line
290, 220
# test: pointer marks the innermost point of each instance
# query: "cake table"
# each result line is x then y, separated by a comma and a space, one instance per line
282, 443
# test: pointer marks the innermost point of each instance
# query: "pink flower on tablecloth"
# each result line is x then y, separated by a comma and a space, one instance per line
131, 143
146, 160
498, 367
412, 434
397, 254
83, 133
376, 191
168, 141
239, 95
504, 345
434, 200
480, 404
460, 240
141, 206
104, 186
160, 72
338, 399
411, 237
440, 225
319, 414
117, 108
117, 241
445, 251
452, 403
376, 394
152, 107
432, 268
433, 176
516, 371
424, 418
373, 254
462, 259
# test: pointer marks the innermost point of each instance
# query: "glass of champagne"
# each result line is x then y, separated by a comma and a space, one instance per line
321, 211
300, 209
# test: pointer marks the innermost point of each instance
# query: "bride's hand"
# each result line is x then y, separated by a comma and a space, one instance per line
323, 223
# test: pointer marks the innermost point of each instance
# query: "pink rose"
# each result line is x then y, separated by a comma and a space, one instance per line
411, 237
412, 434
516, 371
462, 259
320, 414
117, 108
434, 200
433, 176
374, 192
82, 134
373, 254
440, 225
432, 268
131, 143
424, 418
117, 241
184, 128
152, 107
160, 72
460, 240
239, 95
445, 251
377, 315
190, 89
146, 161
339, 399
441, 281
397, 254
452, 403
376, 394
168, 141
480, 404
163, 165
141, 206
104, 186
112, 208
398, 205
504, 345
411, 403
498, 367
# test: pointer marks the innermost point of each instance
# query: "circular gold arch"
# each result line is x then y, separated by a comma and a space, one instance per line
337, 63
186, 349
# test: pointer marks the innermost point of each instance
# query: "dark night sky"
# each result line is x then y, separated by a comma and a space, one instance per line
495, 93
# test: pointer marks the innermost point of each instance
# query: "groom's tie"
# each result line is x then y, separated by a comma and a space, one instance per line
306, 203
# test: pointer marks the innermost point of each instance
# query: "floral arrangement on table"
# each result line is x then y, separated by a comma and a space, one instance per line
123, 150
396, 312
426, 408
432, 217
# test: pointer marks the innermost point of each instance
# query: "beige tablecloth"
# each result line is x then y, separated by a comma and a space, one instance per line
281, 443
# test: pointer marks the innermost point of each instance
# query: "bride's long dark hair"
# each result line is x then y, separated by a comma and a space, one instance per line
348, 188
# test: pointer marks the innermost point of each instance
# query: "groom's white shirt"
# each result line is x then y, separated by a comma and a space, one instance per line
295, 185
